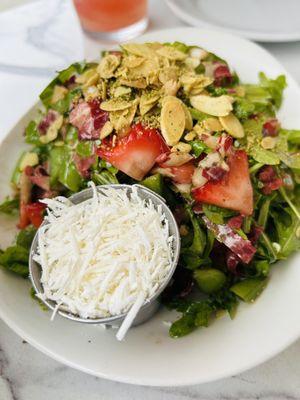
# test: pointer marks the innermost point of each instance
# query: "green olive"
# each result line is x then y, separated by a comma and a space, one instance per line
209, 280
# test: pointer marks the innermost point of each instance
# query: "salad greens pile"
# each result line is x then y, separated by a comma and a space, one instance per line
177, 120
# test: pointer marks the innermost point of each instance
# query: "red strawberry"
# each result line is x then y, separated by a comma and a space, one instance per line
184, 173
134, 154
234, 191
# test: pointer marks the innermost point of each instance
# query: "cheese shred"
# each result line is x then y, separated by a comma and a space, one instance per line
105, 256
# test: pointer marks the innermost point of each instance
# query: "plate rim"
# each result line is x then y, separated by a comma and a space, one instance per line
185, 16
151, 381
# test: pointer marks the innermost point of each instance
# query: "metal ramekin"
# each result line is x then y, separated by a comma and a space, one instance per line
151, 305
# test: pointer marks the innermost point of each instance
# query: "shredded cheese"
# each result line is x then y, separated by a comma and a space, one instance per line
105, 256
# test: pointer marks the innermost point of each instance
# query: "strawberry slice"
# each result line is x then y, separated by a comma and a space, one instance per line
134, 154
234, 191
184, 173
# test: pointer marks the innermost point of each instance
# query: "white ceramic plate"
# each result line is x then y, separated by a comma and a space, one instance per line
148, 356
262, 20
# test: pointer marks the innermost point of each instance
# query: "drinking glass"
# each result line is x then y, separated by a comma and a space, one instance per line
112, 20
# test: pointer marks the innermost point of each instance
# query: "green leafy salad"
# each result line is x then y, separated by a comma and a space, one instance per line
177, 120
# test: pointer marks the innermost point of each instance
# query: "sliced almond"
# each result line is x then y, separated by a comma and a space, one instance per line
217, 106
190, 136
198, 179
194, 84
173, 120
133, 61
212, 124
83, 78
188, 118
29, 160
232, 126
168, 74
240, 91
138, 49
268, 142
115, 105
199, 53
181, 147
192, 62
146, 69
106, 129
136, 83
121, 91
183, 229
121, 120
91, 92
108, 65
171, 53
148, 101
59, 93
52, 131
177, 159
171, 87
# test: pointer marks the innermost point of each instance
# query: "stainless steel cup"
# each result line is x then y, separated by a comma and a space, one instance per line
152, 304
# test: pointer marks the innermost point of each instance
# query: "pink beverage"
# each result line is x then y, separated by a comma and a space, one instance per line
112, 19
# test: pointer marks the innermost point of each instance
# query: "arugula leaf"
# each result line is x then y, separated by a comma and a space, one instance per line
9, 206
284, 195
213, 57
25, 237
63, 106
290, 160
155, 183
264, 212
287, 225
63, 170
266, 249
203, 315
292, 135
104, 178
199, 147
262, 267
224, 300
197, 314
209, 280
243, 108
15, 259
264, 156
192, 256
257, 95
249, 289
216, 91
41, 304
32, 135
61, 78
274, 87
198, 115
183, 326
213, 215
106, 165
199, 239
180, 46
85, 148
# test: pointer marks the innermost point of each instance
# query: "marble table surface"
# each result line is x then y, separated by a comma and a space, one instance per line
34, 41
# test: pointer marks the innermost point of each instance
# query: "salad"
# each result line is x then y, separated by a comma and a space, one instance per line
177, 120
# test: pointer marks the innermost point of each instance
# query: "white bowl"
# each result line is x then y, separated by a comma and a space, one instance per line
149, 356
